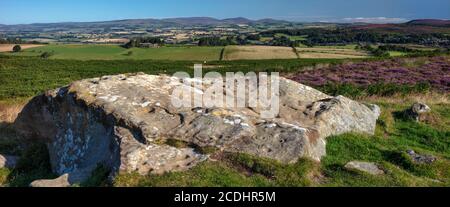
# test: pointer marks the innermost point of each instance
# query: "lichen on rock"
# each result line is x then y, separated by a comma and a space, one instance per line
123, 122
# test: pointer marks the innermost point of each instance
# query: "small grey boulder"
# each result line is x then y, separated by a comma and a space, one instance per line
367, 167
60, 182
418, 110
421, 159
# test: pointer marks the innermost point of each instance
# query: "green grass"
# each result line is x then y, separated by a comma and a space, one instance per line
28, 76
343, 52
292, 38
230, 172
4, 173
212, 174
396, 53
116, 52
33, 164
349, 46
388, 148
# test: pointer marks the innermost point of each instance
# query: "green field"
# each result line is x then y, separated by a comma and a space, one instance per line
246, 52
396, 53
292, 38
28, 76
116, 52
305, 53
188, 53
234, 52
349, 46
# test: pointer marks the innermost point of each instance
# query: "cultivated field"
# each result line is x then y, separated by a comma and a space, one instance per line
9, 47
207, 53
115, 52
272, 52
331, 52
258, 52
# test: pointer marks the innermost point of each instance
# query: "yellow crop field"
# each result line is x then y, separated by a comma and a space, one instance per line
9, 47
329, 52
258, 52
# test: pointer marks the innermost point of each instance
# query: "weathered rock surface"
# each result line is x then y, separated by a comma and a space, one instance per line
124, 121
60, 182
7, 161
421, 159
418, 111
367, 167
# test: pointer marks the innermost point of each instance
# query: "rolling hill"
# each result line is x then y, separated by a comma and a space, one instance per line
430, 22
149, 23
420, 26
412, 27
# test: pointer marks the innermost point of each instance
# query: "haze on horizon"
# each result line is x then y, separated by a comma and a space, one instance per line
372, 11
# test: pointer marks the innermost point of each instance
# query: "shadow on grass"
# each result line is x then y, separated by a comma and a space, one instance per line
10, 144
402, 115
33, 164
100, 177
404, 161
34, 161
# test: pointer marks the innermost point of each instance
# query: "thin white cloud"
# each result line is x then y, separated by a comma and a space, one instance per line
375, 20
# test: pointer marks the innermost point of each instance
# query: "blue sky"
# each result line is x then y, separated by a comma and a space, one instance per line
32, 11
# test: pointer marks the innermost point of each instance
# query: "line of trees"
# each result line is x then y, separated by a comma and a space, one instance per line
137, 42
216, 41
383, 50
17, 48
398, 48
377, 52
10, 40
284, 41
320, 36
244, 40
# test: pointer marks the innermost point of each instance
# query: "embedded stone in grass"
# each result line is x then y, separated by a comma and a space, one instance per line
418, 111
367, 167
420, 108
60, 182
8, 161
421, 159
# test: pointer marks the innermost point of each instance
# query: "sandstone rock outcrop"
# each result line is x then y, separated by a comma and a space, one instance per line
126, 122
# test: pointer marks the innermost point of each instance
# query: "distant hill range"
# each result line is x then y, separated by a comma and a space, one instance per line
419, 26
430, 22
144, 23
192, 21
414, 26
